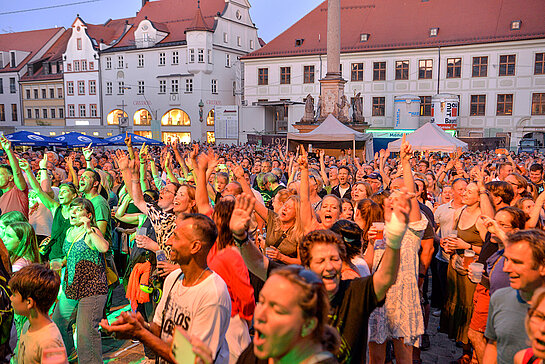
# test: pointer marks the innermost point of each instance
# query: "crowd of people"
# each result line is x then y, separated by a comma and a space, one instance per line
252, 254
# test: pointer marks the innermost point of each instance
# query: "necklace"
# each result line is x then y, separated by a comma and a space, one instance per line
199, 277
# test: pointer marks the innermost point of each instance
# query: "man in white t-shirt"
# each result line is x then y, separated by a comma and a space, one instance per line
196, 300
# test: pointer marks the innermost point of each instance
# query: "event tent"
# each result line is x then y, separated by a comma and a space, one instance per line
76, 140
136, 140
430, 137
332, 134
29, 139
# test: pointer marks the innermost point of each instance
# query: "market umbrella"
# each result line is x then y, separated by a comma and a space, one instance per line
29, 139
136, 140
75, 140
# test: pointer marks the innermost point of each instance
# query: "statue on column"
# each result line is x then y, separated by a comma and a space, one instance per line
319, 108
343, 109
308, 117
357, 109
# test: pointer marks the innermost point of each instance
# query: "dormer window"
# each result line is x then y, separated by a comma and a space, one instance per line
12, 59
299, 42
434, 32
364, 37
515, 24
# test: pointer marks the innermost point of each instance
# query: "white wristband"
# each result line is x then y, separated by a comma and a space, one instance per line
395, 230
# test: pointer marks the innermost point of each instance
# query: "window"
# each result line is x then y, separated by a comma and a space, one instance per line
210, 118
477, 106
251, 44
69, 67
44, 93
538, 104
69, 88
108, 63
76, 66
434, 32
79, 44
308, 74
539, 65
191, 55
140, 60
36, 113
36, 93
162, 59
214, 86
59, 92
14, 115
402, 70
454, 67
227, 60
425, 105
175, 117
51, 93
504, 104
262, 76
173, 86
507, 65
28, 94
93, 108
239, 41
44, 113
2, 86
53, 116
162, 86
2, 113
480, 67
225, 38
356, 73
200, 54
425, 67
84, 65
142, 117
61, 112
175, 58
92, 87
189, 85
12, 88
91, 65
379, 71
81, 87
82, 111
120, 62
379, 106
285, 75
29, 113
210, 56
109, 88
121, 88
140, 87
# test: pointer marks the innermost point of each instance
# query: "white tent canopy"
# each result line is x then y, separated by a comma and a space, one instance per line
430, 137
332, 130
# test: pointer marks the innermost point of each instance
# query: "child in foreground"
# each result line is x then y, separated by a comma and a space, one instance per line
34, 290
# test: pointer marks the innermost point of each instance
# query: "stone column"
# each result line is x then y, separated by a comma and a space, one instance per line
333, 38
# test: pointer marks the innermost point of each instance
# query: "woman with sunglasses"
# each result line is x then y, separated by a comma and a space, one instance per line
60, 209
83, 296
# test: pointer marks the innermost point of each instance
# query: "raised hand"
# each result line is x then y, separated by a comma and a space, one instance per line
6, 143
238, 171
406, 151
144, 155
128, 140
399, 204
88, 151
25, 166
121, 159
241, 216
43, 161
303, 158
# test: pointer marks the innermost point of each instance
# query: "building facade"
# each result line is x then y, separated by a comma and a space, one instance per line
492, 58
178, 61
17, 50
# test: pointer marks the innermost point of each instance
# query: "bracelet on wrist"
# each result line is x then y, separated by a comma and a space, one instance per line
43, 169
88, 160
240, 242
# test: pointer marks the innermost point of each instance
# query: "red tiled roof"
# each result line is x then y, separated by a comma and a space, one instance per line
31, 41
395, 24
108, 32
175, 17
59, 47
198, 22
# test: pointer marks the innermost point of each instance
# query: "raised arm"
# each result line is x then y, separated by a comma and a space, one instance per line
94, 238
323, 173
143, 157
487, 209
201, 194
408, 179
128, 143
536, 211
71, 171
18, 178
307, 213
48, 202
256, 262
383, 156
129, 171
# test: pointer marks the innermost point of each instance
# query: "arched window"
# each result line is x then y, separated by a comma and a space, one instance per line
176, 117
210, 118
183, 137
142, 117
114, 115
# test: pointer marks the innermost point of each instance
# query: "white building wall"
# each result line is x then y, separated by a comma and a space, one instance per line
87, 124
522, 85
